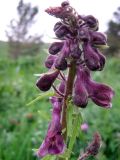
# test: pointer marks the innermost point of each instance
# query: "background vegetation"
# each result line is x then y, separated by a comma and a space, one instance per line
22, 128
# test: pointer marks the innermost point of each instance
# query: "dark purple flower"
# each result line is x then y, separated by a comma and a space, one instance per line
98, 38
55, 47
102, 59
80, 95
45, 82
50, 61
92, 58
91, 21
62, 31
53, 143
100, 94
61, 63
57, 26
75, 51
55, 125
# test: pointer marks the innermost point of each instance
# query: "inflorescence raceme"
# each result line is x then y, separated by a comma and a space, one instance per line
79, 44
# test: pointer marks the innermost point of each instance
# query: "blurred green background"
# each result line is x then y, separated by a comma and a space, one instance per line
22, 128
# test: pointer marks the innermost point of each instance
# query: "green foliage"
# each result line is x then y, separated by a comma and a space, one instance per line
49, 157
41, 96
75, 129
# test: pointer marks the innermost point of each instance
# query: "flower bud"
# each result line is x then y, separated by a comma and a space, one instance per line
61, 63
84, 127
62, 31
98, 38
80, 95
92, 59
57, 26
94, 146
50, 61
91, 21
45, 82
65, 3
102, 59
55, 47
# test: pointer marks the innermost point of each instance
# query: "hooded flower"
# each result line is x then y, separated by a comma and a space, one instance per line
98, 38
50, 61
45, 82
62, 31
80, 95
57, 26
100, 94
61, 62
56, 116
53, 143
91, 22
55, 47
93, 58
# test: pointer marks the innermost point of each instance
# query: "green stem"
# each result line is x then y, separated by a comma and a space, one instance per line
68, 93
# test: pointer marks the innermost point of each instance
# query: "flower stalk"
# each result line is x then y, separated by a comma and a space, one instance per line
68, 93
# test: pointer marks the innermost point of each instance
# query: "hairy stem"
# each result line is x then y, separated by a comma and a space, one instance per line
68, 92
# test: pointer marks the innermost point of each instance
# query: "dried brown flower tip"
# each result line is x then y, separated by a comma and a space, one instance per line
94, 146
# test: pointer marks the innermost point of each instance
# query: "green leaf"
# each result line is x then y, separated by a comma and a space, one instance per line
49, 157
41, 96
75, 128
66, 154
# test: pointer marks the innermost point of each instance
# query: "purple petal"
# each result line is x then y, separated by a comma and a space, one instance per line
55, 47
55, 125
43, 150
98, 38
100, 94
91, 57
58, 146
80, 95
45, 82
50, 61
